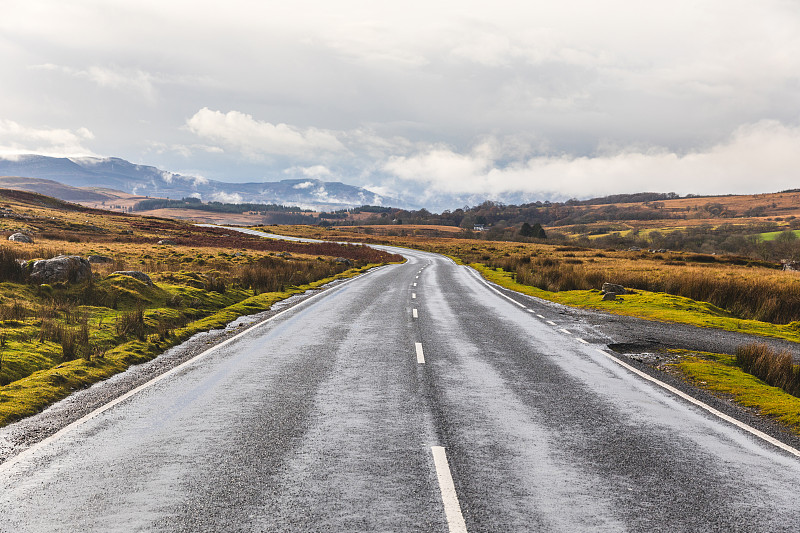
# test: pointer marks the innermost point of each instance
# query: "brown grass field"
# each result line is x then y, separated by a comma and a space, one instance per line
744, 288
209, 271
57, 336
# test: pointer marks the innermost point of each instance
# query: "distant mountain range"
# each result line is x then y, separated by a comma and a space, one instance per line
122, 175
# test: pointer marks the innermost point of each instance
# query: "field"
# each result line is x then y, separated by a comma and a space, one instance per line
729, 292
61, 336
58, 336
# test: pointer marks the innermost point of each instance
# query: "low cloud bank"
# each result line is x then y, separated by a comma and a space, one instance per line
759, 157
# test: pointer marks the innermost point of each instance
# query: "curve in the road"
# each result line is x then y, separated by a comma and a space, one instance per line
325, 418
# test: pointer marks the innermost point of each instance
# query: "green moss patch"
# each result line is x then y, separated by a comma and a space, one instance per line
719, 373
34, 377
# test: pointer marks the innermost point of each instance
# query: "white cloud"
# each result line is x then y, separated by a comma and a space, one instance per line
322, 195
226, 198
253, 138
315, 171
198, 179
18, 139
756, 157
114, 77
380, 190
185, 150
476, 97
304, 185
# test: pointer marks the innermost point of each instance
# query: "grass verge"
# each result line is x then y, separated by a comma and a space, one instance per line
649, 305
719, 373
29, 395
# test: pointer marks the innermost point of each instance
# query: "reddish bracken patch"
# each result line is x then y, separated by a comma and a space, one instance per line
216, 237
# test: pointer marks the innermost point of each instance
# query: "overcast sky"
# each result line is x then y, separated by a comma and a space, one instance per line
421, 99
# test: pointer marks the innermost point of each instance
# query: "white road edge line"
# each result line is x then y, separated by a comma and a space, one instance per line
562, 330
452, 509
698, 403
103, 408
420, 355
512, 300
414, 313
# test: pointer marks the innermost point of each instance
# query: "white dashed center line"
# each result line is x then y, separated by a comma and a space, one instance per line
415, 284
551, 322
413, 295
420, 355
562, 330
540, 316
582, 341
414, 313
452, 509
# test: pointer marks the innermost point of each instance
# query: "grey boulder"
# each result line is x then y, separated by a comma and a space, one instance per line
71, 268
21, 237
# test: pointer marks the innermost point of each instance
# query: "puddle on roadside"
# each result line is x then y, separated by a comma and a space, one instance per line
653, 354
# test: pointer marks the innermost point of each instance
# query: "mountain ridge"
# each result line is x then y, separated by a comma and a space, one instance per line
145, 180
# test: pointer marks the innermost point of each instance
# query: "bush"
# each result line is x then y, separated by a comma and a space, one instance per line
131, 323
10, 267
774, 368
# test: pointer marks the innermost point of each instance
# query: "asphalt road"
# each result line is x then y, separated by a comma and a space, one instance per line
414, 398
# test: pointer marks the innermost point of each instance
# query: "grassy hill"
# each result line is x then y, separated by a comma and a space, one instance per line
62, 335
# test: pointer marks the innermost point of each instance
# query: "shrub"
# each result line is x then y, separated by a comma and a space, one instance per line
13, 311
774, 368
10, 267
131, 323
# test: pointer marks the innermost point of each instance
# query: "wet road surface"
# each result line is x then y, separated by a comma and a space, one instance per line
414, 398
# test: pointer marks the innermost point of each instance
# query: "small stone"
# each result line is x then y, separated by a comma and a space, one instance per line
21, 237
99, 259
613, 287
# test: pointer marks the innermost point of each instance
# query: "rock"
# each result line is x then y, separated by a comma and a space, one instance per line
609, 296
344, 260
613, 288
72, 268
790, 265
21, 237
634, 249
135, 274
99, 259
167, 242
284, 254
